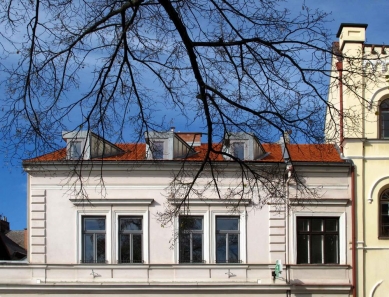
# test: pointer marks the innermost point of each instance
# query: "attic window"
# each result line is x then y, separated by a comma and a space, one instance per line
75, 149
238, 150
158, 150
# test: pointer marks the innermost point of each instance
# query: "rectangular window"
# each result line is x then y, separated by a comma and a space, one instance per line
75, 149
130, 240
93, 240
238, 150
227, 240
157, 149
317, 240
191, 239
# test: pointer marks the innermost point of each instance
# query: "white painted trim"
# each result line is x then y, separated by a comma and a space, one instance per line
319, 201
242, 233
145, 237
374, 288
372, 248
125, 201
342, 232
212, 201
108, 236
368, 158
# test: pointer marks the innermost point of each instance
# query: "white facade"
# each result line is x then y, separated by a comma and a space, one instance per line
137, 189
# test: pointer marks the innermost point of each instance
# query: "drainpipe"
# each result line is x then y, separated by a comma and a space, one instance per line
339, 67
353, 230
289, 169
353, 233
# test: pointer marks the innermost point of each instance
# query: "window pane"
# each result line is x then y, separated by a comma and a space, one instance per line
125, 248
332, 225
137, 248
316, 225
233, 248
316, 249
302, 224
229, 223
197, 252
238, 150
302, 248
100, 248
385, 124
184, 248
88, 248
191, 223
75, 149
331, 249
94, 224
384, 208
221, 248
385, 230
157, 150
130, 224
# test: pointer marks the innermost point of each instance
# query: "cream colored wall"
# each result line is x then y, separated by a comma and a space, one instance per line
369, 154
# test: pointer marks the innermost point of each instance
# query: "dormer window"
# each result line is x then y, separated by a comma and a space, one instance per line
87, 145
75, 149
238, 150
242, 146
158, 150
169, 145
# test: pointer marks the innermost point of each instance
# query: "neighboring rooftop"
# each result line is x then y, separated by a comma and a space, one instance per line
12, 243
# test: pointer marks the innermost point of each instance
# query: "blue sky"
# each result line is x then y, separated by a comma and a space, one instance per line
13, 181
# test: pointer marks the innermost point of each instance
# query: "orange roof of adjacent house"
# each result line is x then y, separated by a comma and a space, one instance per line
297, 153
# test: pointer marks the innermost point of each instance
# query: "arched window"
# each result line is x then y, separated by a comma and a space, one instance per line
384, 214
384, 119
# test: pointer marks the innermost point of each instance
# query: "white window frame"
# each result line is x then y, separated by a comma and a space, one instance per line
242, 234
145, 235
108, 234
206, 235
342, 232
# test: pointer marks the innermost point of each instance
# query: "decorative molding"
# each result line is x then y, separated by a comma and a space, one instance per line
372, 248
374, 288
374, 186
212, 201
127, 201
319, 201
377, 94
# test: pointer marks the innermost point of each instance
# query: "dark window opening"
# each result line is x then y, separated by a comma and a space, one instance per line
384, 214
130, 240
384, 119
191, 239
317, 240
93, 240
227, 240
157, 149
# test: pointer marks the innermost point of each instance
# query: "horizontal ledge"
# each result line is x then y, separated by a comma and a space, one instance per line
184, 286
211, 201
318, 201
131, 201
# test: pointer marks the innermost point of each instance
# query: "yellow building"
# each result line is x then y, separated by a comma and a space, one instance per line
359, 89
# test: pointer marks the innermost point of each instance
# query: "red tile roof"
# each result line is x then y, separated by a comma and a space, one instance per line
297, 152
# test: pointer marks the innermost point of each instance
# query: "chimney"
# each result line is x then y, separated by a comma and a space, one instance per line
25, 239
4, 225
